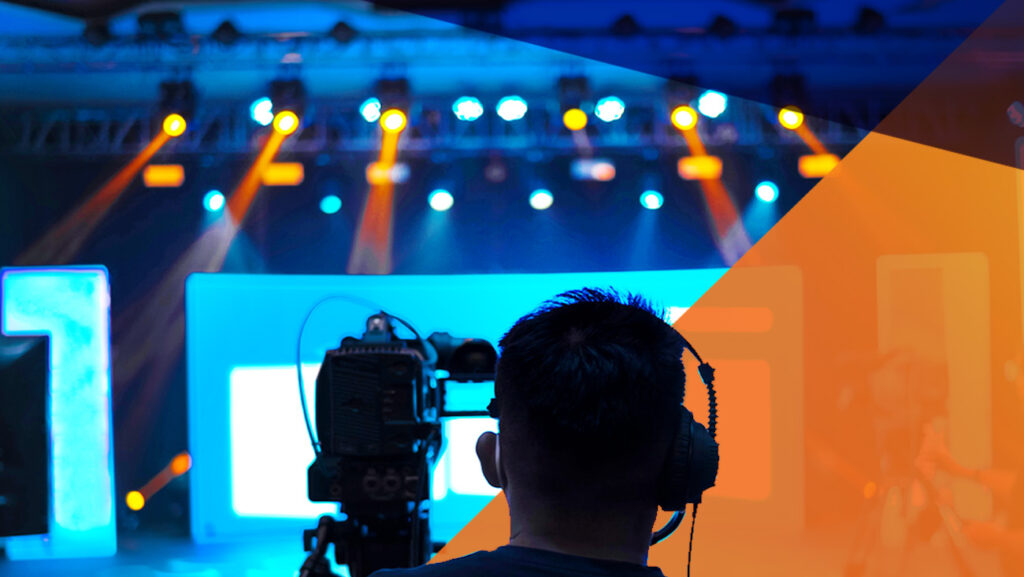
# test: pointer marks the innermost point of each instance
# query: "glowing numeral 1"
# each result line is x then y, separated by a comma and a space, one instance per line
70, 305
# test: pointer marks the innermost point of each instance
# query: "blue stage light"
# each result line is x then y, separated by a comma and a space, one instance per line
370, 109
767, 191
330, 204
441, 200
651, 199
262, 111
712, 103
511, 108
467, 108
213, 201
609, 108
541, 199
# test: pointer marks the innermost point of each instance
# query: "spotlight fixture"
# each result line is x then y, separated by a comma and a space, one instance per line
541, 199
286, 122
177, 97
767, 191
511, 108
651, 199
574, 119
161, 25
712, 103
393, 120
609, 108
343, 33
467, 108
440, 200
330, 204
97, 33
790, 117
174, 125
370, 109
684, 117
226, 34
288, 94
213, 201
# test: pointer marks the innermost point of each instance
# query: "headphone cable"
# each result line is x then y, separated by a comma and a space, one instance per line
689, 554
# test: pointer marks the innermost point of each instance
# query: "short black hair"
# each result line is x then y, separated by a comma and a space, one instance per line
588, 387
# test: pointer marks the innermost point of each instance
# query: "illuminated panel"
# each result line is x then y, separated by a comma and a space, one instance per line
699, 167
462, 474
284, 174
270, 449
816, 165
163, 175
72, 307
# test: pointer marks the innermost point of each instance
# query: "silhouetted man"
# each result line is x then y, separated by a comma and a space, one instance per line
588, 388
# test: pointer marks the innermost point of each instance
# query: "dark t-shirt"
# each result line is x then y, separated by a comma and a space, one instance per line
512, 561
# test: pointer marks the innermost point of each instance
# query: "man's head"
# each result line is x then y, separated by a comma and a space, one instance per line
588, 387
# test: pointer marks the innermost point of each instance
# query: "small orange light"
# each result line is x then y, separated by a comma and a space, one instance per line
283, 174
870, 490
699, 167
790, 117
392, 120
684, 117
181, 463
574, 119
816, 165
286, 122
163, 175
174, 125
135, 500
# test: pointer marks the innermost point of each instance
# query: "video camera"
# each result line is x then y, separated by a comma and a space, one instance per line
379, 401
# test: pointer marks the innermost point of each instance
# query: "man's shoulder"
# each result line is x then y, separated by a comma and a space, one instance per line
467, 565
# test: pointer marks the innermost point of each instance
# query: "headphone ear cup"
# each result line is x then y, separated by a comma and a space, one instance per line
672, 489
692, 465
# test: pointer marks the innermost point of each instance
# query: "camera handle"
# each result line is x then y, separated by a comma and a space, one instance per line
316, 565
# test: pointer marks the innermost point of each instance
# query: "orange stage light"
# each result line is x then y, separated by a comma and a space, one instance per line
135, 500
393, 120
790, 117
574, 119
284, 174
174, 125
286, 122
703, 167
163, 175
816, 165
684, 117
181, 463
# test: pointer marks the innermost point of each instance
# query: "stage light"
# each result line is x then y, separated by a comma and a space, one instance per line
574, 119
702, 167
213, 201
393, 120
816, 165
651, 199
163, 175
541, 199
467, 108
441, 200
174, 125
181, 463
330, 204
684, 117
767, 191
135, 500
511, 108
262, 111
790, 117
609, 108
286, 122
712, 103
370, 109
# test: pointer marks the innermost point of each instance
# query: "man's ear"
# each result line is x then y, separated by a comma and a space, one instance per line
487, 452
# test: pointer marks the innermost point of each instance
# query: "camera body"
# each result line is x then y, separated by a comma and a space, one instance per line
379, 404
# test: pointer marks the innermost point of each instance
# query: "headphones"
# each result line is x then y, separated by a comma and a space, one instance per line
691, 466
